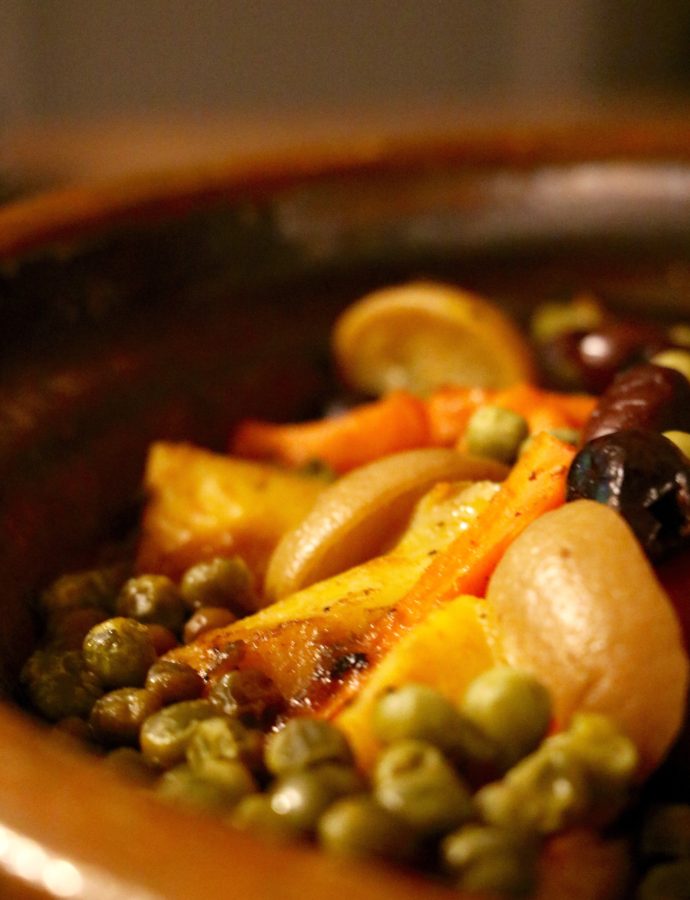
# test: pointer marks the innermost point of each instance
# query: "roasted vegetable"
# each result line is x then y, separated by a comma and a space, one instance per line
578, 604
315, 640
360, 515
203, 505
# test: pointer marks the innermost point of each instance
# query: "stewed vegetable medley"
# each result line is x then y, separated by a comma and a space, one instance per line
446, 624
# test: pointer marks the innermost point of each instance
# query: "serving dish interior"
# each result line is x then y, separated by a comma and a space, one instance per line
170, 313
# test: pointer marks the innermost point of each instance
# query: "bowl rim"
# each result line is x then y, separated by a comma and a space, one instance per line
76, 210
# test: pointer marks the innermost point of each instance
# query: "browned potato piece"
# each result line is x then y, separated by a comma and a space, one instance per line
202, 504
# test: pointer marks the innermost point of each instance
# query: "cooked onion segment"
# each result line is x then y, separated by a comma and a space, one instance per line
423, 335
577, 603
359, 516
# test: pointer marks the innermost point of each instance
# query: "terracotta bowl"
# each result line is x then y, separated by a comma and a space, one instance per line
166, 308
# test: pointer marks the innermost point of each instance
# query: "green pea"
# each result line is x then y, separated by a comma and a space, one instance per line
75, 729
59, 684
174, 681
220, 582
420, 712
415, 711
152, 599
255, 813
164, 735
511, 708
507, 876
183, 787
206, 618
119, 651
668, 881
217, 740
303, 743
496, 433
116, 718
230, 774
484, 858
666, 832
413, 780
92, 588
249, 695
67, 628
130, 764
610, 758
542, 794
303, 796
358, 826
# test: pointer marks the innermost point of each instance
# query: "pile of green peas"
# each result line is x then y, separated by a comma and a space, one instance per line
104, 632
466, 791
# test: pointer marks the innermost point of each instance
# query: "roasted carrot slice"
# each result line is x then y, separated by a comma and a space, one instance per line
397, 422
450, 409
535, 485
546, 409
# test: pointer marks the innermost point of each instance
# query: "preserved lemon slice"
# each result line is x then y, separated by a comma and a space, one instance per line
359, 516
423, 335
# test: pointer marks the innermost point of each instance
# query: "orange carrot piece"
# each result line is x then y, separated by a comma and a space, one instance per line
397, 422
536, 484
570, 410
450, 409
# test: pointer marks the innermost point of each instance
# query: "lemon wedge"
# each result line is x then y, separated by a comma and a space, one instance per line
424, 335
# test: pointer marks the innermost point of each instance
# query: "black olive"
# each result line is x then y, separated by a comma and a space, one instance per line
644, 477
589, 360
644, 397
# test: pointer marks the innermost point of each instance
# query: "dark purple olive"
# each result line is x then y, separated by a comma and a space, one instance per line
603, 353
645, 478
589, 360
648, 397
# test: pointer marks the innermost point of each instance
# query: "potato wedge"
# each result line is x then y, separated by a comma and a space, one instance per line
202, 504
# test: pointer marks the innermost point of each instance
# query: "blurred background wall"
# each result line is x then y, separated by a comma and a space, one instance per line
88, 58
81, 61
